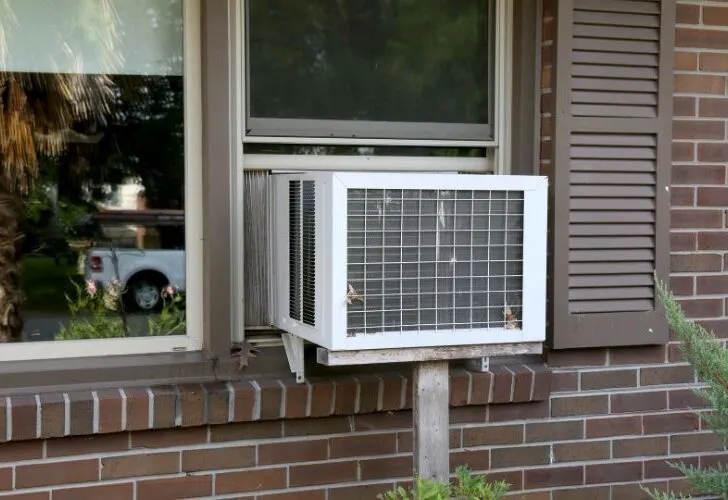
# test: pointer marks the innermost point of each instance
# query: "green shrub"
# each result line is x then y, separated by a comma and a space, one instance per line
465, 487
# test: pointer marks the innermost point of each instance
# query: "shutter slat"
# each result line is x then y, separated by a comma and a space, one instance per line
614, 140
635, 292
621, 268
598, 217
602, 306
624, 72
645, 7
614, 111
627, 46
606, 193
614, 19
611, 166
611, 229
598, 242
615, 58
624, 98
611, 255
628, 179
616, 281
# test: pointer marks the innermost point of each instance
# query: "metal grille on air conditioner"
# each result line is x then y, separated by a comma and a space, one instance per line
367, 261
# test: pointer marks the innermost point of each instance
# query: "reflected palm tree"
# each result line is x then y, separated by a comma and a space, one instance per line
40, 115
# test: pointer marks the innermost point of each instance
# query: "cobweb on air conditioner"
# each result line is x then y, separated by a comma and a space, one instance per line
423, 260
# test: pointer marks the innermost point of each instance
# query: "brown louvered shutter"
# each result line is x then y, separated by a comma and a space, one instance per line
611, 167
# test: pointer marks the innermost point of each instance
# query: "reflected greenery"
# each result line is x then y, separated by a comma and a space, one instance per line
380, 60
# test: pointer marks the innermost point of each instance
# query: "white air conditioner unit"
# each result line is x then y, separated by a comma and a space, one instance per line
367, 261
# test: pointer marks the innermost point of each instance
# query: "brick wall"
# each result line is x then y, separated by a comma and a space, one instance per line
611, 420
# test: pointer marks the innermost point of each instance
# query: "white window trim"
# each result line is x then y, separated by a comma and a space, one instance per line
192, 341
496, 161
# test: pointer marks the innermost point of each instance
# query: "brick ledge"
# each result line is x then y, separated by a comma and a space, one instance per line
53, 415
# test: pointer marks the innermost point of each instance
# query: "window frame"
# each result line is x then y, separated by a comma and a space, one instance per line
497, 149
192, 340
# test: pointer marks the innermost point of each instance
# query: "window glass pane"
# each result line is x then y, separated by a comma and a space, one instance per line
370, 60
92, 159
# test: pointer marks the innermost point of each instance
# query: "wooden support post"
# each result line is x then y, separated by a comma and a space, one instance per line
431, 402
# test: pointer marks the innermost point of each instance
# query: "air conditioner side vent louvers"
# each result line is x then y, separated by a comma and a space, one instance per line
302, 251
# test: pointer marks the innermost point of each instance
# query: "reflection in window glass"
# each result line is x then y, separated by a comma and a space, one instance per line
92, 169
370, 60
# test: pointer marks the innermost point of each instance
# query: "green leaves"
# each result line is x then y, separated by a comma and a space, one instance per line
465, 487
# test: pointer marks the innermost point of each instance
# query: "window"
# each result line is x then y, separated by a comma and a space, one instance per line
372, 69
387, 85
100, 160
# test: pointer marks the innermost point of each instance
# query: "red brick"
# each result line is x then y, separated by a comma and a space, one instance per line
713, 61
640, 447
165, 406
24, 412
316, 426
324, 473
246, 430
608, 379
636, 355
137, 408
271, 395
716, 16
45, 495
698, 129
18, 451
712, 107
110, 408
702, 308
459, 388
553, 477
592, 493
668, 374
582, 451
359, 446
554, 431
121, 491
682, 285
682, 197
680, 242
695, 263
683, 151
685, 399
217, 403
6, 479
718, 327
492, 435
192, 402
518, 411
570, 406
695, 219
385, 468
475, 460
87, 445
251, 480
291, 452
683, 106
614, 473
175, 488
675, 353
565, 381
322, 396
519, 456
638, 401
613, 426
576, 357
709, 39
686, 61
687, 14
168, 438
51, 474
392, 386
660, 469
244, 396
712, 285
480, 392
53, 415
699, 84
695, 443
234, 457
712, 153
468, 415
712, 196
139, 465
368, 393
713, 240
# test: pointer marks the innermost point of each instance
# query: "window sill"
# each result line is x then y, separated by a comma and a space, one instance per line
110, 410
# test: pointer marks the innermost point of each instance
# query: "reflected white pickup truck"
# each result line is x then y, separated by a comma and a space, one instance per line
143, 273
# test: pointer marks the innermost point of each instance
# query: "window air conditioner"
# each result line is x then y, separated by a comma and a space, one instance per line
368, 261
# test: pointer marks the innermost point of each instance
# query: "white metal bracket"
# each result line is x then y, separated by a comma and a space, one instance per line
478, 364
293, 346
